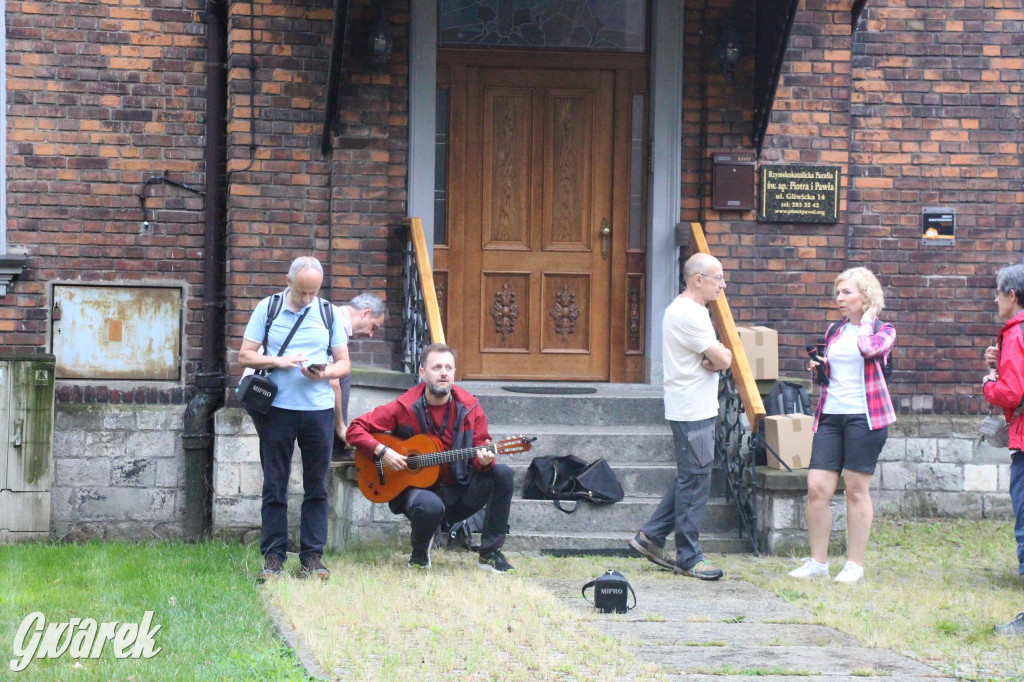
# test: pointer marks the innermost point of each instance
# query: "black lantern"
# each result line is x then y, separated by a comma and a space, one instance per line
728, 49
379, 43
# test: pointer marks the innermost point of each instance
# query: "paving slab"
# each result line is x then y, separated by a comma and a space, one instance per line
730, 630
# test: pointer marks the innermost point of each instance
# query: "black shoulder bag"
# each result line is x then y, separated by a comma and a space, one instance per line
256, 392
570, 478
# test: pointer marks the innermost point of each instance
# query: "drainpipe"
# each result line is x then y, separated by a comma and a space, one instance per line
198, 435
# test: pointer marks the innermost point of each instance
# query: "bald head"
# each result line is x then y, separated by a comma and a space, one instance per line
699, 263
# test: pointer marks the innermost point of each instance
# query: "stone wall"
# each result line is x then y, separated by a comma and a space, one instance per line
238, 484
117, 472
931, 466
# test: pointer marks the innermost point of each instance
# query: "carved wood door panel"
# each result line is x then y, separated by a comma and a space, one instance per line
536, 269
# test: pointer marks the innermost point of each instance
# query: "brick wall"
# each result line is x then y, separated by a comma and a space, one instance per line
930, 119
104, 96
949, 95
101, 97
286, 199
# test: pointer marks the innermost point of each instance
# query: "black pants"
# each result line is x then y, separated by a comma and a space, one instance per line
426, 508
279, 431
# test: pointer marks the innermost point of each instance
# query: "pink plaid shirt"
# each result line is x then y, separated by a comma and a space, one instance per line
873, 348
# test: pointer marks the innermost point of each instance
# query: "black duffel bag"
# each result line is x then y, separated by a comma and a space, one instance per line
570, 478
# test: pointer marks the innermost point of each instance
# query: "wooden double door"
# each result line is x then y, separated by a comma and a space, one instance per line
537, 266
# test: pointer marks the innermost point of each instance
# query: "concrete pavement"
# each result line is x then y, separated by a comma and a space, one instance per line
731, 631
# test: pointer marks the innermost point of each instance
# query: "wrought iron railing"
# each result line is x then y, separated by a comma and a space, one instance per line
741, 409
734, 448
421, 317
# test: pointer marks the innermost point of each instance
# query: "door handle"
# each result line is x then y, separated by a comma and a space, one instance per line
606, 235
16, 440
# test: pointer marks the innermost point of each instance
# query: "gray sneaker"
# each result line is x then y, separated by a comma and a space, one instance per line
650, 551
1014, 628
702, 570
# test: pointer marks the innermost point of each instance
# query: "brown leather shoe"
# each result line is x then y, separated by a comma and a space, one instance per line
313, 567
272, 567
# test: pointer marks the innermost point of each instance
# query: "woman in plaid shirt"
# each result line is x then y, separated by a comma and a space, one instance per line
851, 424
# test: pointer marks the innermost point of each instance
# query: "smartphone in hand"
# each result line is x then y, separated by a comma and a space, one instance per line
316, 367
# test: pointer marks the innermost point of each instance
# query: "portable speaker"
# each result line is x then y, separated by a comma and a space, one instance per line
256, 392
611, 592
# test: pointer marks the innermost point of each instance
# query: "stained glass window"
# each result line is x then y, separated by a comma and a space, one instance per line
608, 25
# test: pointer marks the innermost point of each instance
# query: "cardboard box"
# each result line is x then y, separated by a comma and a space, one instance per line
790, 436
761, 345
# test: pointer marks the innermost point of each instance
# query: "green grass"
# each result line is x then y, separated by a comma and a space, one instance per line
213, 622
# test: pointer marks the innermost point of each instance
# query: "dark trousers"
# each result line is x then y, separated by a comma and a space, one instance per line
682, 508
1017, 500
491, 490
279, 431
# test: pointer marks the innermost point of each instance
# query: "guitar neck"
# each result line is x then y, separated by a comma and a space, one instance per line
433, 458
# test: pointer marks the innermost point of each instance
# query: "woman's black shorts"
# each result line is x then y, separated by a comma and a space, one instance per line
844, 441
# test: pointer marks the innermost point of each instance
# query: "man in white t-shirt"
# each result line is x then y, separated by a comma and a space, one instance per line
692, 356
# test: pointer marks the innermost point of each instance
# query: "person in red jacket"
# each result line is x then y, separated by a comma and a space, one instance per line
1004, 387
439, 407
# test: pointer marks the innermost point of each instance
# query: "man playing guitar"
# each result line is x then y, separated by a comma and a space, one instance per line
438, 407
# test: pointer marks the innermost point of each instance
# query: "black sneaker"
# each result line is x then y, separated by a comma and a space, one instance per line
1013, 628
420, 559
702, 570
313, 567
650, 551
495, 562
271, 568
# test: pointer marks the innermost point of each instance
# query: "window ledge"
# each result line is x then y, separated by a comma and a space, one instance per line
10, 267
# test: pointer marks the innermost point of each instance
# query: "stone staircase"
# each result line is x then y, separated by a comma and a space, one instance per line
625, 424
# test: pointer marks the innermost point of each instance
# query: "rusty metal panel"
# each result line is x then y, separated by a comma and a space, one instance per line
102, 332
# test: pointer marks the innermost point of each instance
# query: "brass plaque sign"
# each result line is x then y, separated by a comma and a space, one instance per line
799, 194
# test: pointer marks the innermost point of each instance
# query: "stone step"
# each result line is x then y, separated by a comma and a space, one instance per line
614, 544
636, 443
636, 479
609, 404
625, 516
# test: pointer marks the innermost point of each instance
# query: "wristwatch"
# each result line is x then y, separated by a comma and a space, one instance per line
379, 452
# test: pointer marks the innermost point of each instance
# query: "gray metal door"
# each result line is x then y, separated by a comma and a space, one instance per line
26, 435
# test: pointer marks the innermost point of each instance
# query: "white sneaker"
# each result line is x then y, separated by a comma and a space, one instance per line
810, 569
851, 573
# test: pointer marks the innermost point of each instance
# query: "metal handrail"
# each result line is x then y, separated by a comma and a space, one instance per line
421, 314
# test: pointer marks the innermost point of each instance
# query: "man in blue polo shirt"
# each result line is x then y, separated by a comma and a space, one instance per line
302, 411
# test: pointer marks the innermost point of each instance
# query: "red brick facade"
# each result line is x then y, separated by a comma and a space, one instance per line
919, 106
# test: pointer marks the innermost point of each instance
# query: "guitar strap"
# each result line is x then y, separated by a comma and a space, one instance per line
434, 429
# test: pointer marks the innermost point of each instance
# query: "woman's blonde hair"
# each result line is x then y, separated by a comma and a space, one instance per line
868, 285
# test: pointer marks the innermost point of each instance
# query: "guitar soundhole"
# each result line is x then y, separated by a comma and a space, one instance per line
412, 464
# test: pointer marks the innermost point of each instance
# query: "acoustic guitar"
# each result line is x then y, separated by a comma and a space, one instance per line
424, 456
